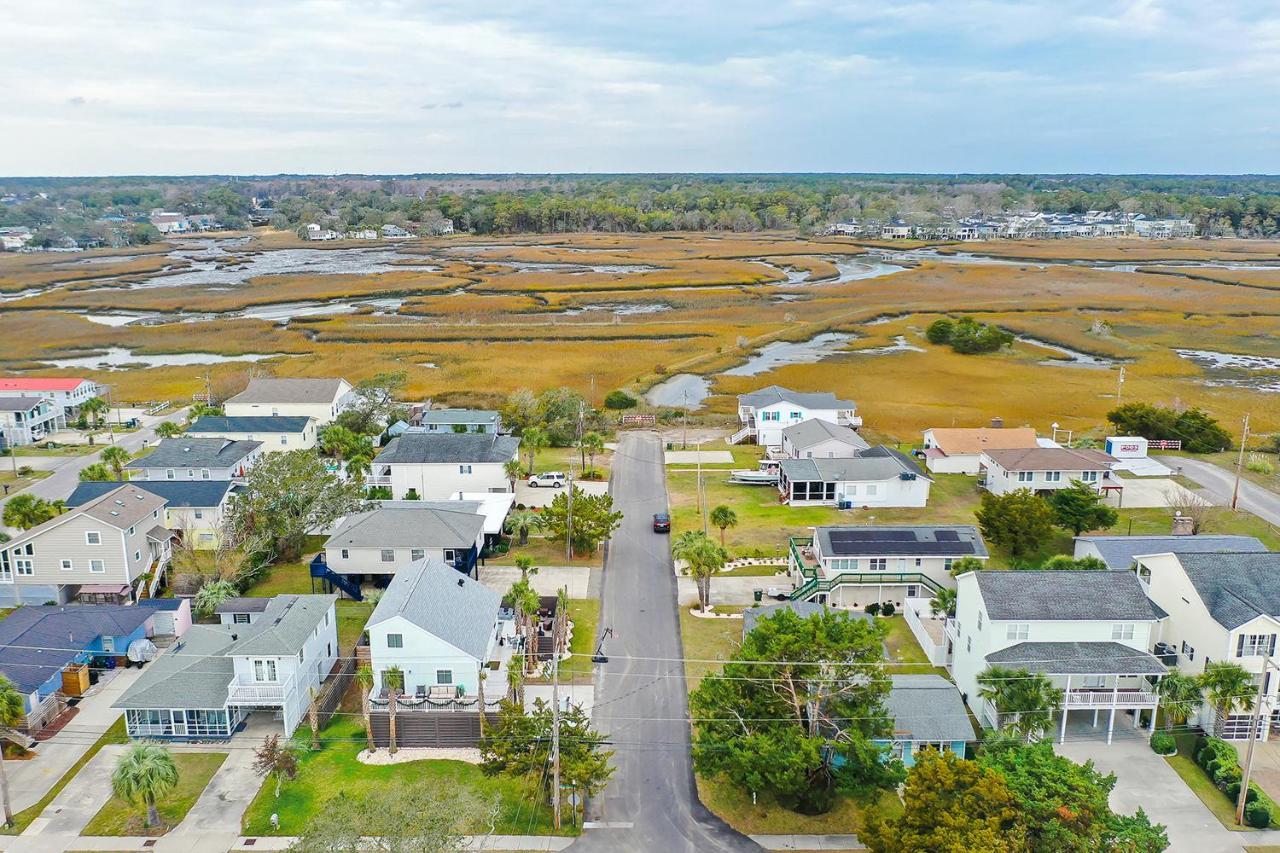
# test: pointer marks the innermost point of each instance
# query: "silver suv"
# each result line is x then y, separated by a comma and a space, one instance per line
553, 479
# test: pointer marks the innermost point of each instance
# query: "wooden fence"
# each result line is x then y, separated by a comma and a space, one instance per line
334, 689
435, 729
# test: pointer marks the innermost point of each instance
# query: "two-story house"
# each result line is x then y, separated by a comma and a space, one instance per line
321, 399
856, 566
876, 477
1223, 607
26, 420
67, 393
99, 551
373, 545
819, 439
195, 510
209, 683
457, 420
435, 466
1121, 553
283, 432
959, 450
195, 458
1087, 632
1043, 469
765, 413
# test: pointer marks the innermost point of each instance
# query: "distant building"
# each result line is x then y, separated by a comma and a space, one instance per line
167, 222
394, 232
12, 239
363, 234
322, 399
67, 392
316, 232
26, 420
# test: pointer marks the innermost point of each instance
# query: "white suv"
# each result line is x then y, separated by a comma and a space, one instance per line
554, 479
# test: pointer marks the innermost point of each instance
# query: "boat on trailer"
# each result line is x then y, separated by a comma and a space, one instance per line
765, 475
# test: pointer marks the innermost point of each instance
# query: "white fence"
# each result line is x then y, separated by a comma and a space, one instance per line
916, 611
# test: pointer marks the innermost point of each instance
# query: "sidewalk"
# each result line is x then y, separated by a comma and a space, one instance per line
61, 821
240, 843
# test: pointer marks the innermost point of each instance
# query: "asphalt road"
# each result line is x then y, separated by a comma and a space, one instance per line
650, 805
1219, 481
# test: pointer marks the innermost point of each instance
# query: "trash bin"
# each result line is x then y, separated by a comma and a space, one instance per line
670, 445
758, 595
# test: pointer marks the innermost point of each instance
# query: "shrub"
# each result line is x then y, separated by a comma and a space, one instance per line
1163, 743
619, 400
1259, 464
1200, 743
1257, 815
1227, 776
1233, 793
887, 609
873, 608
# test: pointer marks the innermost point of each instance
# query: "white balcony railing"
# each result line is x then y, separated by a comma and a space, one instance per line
377, 479
1107, 698
246, 691
741, 435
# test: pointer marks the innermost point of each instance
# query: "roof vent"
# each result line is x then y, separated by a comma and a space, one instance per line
461, 582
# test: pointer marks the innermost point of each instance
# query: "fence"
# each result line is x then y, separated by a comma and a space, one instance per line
638, 420
914, 612
1164, 444
44, 713
434, 730
334, 689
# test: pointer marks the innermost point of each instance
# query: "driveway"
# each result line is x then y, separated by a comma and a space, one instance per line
547, 581
1266, 765
74, 807
730, 590
1219, 481
1145, 779
650, 804
1147, 493
543, 496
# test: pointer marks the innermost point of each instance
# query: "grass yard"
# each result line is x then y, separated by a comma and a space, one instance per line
334, 769
352, 616
114, 734
564, 458
707, 640
732, 802
292, 577
18, 482
754, 571
1199, 782
60, 450
119, 817
544, 553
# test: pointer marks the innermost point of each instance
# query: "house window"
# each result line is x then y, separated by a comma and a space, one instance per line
97, 567
1089, 477
284, 439
67, 565
169, 474
1026, 476
130, 531
1122, 631
137, 555
388, 555
92, 537
1018, 631
919, 562
345, 554
191, 473
878, 564
417, 553
795, 416
979, 620
395, 641
450, 555
1189, 652
444, 676
264, 670
946, 562
25, 568
199, 513
1250, 645
204, 473
873, 489
239, 618
1053, 476
968, 644
464, 469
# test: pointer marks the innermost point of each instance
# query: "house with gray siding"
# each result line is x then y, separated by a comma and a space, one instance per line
1121, 553
193, 458
194, 509
378, 542
26, 420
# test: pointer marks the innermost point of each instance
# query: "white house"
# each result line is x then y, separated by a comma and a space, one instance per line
765, 413
279, 433
99, 550
1222, 607
876, 477
440, 630
456, 420
194, 509
194, 458
433, 466
959, 451
395, 534
207, 684
26, 420
1121, 553
314, 231
167, 222
819, 439
322, 399
1089, 632
855, 566
1044, 469
68, 392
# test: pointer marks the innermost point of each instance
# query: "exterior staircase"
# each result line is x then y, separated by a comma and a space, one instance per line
741, 435
320, 569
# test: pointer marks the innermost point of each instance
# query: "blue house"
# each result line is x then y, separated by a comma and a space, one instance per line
927, 712
37, 643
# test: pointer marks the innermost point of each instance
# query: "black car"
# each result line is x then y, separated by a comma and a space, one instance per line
661, 522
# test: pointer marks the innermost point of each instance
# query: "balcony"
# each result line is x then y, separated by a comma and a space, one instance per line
1076, 699
377, 479
848, 419
245, 691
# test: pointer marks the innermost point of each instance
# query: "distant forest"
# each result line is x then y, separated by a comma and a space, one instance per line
1221, 205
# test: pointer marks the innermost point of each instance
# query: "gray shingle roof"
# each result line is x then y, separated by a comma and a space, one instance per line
196, 452
1099, 658
241, 604
448, 448
283, 626
19, 404
254, 424
927, 708
771, 394
458, 416
804, 609
269, 389
444, 602
1118, 552
1050, 459
874, 463
408, 527
816, 431
1064, 595
1235, 587
884, 540
36, 642
178, 493
192, 673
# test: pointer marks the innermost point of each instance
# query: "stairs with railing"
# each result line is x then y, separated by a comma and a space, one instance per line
741, 435
320, 569
815, 584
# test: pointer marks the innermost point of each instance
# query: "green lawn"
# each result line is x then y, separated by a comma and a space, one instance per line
352, 616
114, 734
333, 769
562, 458
119, 817
708, 640
292, 577
60, 450
544, 553
754, 571
732, 802
18, 482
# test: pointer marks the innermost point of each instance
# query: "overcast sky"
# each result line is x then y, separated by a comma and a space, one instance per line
222, 86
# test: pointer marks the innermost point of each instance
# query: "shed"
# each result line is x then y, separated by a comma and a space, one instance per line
172, 615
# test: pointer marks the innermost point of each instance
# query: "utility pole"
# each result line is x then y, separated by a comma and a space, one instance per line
555, 719
110, 405
1120, 386
1244, 439
4, 791
684, 430
702, 500
568, 538
1255, 720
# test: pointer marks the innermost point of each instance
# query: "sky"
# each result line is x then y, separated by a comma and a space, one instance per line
99, 87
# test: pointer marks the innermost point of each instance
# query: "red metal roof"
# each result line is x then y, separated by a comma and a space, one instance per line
36, 383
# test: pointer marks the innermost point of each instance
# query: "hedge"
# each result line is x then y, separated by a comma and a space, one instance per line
1163, 743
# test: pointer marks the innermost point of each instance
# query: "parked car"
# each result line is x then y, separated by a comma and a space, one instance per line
552, 479
661, 522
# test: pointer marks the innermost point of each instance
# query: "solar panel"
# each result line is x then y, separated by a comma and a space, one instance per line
864, 542
873, 535
946, 536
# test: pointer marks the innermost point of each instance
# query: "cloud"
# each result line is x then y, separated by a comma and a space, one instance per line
76, 101
451, 105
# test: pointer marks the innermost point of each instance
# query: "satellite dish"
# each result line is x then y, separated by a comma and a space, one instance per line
142, 651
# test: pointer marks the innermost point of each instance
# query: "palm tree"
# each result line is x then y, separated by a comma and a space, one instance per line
116, 457
704, 559
521, 521
533, 439
364, 677
1028, 698
723, 517
168, 429
94, 407
1228, 687
525, 602
26, 511
97, 472
589, 445
1179, 696
144, 773
525, 564
944, 603
514, 470
199, 410
11, 716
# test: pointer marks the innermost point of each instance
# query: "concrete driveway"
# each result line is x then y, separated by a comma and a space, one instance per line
1148, 493
729, 590
547, 581
1266, 765
543, 496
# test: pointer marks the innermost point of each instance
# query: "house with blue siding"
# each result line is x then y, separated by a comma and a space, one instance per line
928, 713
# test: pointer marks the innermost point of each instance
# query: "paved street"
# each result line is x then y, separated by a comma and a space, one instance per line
1218, 482
650, 805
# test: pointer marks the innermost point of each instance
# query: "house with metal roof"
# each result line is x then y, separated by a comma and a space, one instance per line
193, 458
209, 682
1221, 606
819, 439
1088, 632
371, 546
67, 392
956, 450
879, 476
928, 713
457, 420
283, 432
859, 565
1044, 469
763, 414
321, 399
435, 466
99, 551
1121, 553
194, 509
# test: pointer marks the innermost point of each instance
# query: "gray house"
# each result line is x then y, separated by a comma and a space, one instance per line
189, 458
457, 420
1121, 552
24, 420
382, 540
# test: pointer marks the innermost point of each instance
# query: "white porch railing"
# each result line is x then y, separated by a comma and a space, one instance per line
246, 691
933, 642
377, 479
1107, 698
741, 435
852, 421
